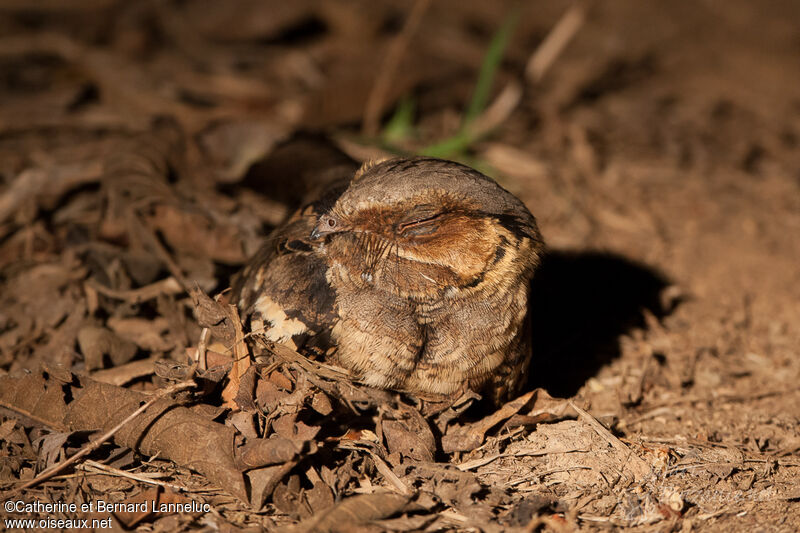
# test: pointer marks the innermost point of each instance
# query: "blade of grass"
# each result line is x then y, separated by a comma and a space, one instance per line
491, 61
401, 125
452, 145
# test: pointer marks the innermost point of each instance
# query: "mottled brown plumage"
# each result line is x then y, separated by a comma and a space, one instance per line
414, 277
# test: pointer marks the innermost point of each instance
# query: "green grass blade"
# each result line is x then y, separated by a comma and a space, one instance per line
401, 126
461, 140
449, 146
491, 62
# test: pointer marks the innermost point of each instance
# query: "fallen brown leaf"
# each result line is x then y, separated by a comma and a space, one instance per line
470, 436
353, 512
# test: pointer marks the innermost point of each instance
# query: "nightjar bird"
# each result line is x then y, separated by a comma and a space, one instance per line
413, 275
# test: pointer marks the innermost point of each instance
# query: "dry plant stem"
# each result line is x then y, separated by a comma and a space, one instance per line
287, 354
200, 353
638, 467
240, 351
89, 448
555, 42
477, 463
94, 466
162, 253
241, 358
638, 392
454, 516
120, 375
536, 475
541, 60
717, 399
167, 286
498, 112
602, 520
383, 82
387, 473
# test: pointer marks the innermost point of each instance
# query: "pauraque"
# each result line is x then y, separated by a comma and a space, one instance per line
413, 275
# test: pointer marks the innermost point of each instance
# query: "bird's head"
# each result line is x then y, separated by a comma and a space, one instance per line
426, 228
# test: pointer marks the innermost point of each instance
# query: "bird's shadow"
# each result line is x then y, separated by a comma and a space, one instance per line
581, 302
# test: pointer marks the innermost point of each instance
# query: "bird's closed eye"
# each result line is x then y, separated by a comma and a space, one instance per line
419, 225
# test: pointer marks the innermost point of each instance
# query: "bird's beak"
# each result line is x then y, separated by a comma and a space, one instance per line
326, 225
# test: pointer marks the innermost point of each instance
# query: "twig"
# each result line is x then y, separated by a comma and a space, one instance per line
387, 473
454, 516
160, 251
89, 448
95, 467
555, 42
168, 285
636, 464
531, 477
653, 413
383, 82
120, 375
489, 66
717, 399
287, 354
241, 358
602, 520
202, 345
476, 463
715, 514
380, 464
479, 120
638, 393
497, 113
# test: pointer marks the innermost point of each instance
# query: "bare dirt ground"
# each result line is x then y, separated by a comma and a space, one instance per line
146, 149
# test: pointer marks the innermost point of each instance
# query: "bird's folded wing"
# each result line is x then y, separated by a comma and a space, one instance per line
282, 293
